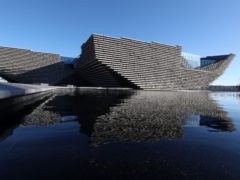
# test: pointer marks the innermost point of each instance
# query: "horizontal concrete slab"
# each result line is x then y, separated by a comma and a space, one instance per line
8, 90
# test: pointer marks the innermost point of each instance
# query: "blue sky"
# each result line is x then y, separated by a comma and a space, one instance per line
204, 27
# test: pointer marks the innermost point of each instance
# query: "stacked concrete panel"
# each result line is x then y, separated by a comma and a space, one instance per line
96, 72
114, 62
26, 66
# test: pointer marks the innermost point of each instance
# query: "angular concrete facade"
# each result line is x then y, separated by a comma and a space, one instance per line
26, 66
122, 62
114, 62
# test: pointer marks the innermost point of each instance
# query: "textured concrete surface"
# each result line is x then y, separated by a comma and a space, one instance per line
26, 66
113, 62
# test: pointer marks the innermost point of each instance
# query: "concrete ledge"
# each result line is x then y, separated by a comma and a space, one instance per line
8, 90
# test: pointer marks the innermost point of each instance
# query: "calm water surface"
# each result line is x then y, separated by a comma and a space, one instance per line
124, 135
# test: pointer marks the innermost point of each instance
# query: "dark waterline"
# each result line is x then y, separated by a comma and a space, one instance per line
123, 135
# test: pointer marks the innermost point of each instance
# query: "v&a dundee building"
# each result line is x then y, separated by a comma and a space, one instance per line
115, 62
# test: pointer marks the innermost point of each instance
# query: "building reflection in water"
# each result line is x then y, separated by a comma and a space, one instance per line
131, 115
149, 116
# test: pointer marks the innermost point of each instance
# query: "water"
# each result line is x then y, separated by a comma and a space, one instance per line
124, 135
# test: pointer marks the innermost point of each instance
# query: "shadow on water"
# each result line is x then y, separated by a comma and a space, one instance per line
63, 105
14, 110
85, 106
138, 134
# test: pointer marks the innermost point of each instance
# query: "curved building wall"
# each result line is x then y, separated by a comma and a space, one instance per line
144, 65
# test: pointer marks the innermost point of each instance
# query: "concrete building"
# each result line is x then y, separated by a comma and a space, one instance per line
115, 62
26, 66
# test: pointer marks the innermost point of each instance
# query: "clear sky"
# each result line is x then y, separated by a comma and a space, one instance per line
204, 27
